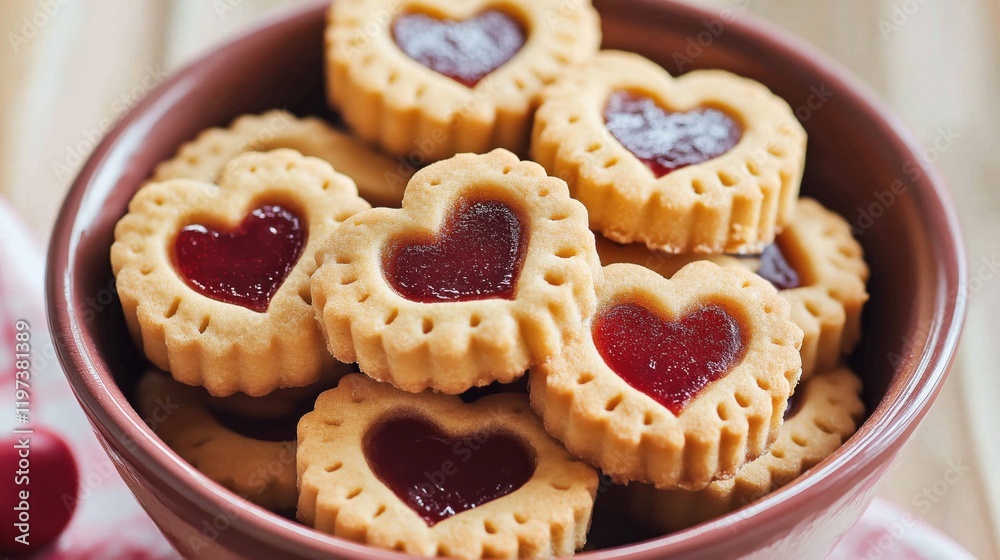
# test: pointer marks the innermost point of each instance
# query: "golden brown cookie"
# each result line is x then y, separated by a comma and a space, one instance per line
676, 382
254, 458
708, 162
380, 179
815, 263
825, 411
429, 79
429, 475
214, 280
487, 269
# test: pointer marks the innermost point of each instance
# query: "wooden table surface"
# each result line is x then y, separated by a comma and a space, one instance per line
70, 68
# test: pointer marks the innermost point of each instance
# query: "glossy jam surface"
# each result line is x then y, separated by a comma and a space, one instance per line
671, 361
439, 476
282, 428
465, 51
244, 266
776, 269
668, 141
478, 255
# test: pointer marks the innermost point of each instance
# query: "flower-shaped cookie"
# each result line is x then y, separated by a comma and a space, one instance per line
428, 79
825, 411
677, 382
708, 162
379, 178
429, 475
214, 280
815, 263
251, 456
487, 269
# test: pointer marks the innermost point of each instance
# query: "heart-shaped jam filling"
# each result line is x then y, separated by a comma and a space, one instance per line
478, 255
244, 266
282, 428
465, 51
667, 141
671, 361
438, 475
776, 269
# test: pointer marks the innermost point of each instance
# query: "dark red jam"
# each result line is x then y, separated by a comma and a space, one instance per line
668, 141
244, 266
438, 475
671, 361
478, 255
776, 269
465, 51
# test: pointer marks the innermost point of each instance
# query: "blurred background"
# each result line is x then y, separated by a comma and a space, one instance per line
69, 69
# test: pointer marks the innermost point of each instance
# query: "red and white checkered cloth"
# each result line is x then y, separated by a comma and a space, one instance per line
109, 524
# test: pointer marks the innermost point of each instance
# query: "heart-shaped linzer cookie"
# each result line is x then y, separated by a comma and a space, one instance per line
246, 265
677, 382
222, 271
477, 256
428, 475
667, 141
465, 51
438, 475
671, 361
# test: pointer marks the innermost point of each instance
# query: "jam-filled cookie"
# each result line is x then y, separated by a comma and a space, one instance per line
487, 269
214, 280
815, 263
379, 178
824, 411
676, 382
429, 475
428, 79
252, 456
708, 162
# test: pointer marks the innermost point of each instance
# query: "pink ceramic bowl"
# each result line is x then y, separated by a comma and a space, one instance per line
861, 163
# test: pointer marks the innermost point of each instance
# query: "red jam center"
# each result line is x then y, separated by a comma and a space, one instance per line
465, 51
439, 476
282, 428
667, 141
776, 269
244, 266
671, 361
478, 255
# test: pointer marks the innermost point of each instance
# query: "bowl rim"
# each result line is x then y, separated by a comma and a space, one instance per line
110, 412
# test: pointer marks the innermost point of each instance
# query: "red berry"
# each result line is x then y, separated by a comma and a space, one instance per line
39, 490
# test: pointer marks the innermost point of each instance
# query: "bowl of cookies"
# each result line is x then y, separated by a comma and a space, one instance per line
425, 278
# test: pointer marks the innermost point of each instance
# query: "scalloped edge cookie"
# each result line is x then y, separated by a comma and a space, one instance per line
454, 346
203, 341
830, 412
820, 246
413, 111
735, 203
262, 472
339, 493
628, 435
380, 179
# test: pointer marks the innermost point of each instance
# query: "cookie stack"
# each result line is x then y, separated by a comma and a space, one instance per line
619, 257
